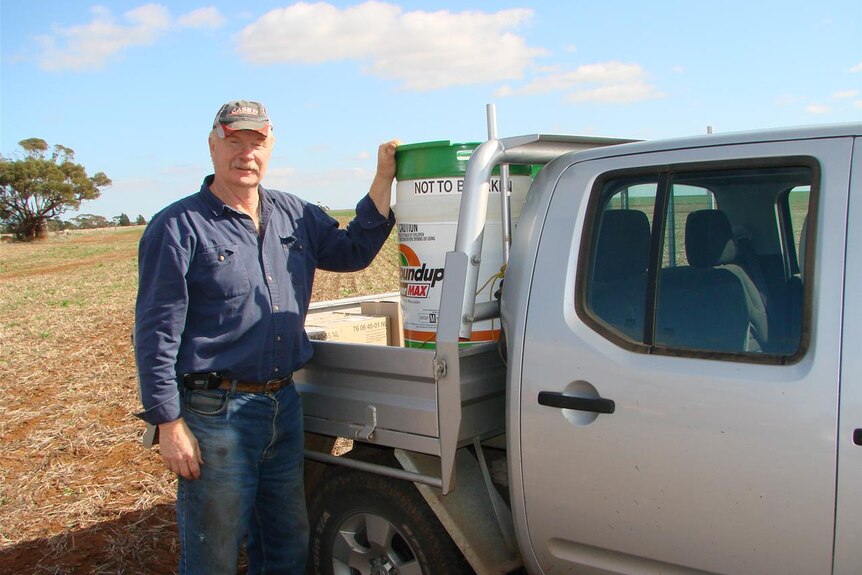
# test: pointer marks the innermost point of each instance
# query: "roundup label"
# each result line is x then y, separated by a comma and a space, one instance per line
417, 279
422, 250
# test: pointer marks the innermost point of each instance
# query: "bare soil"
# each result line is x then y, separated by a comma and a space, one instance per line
78, 493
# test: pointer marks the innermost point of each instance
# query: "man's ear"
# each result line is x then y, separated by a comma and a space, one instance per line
211, 142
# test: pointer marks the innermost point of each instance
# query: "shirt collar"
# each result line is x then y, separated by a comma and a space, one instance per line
218, 207
210, 199
266, 205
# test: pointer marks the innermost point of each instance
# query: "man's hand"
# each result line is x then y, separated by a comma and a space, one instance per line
386, 160
381, 187
179, 448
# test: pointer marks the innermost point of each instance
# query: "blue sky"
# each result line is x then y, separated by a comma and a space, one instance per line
133, 87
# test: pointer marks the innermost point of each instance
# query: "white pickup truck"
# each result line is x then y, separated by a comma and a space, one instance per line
678, 388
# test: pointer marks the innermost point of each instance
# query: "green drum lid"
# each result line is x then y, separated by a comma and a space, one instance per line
440, 159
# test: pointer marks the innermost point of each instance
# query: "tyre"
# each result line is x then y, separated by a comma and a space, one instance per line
367, 524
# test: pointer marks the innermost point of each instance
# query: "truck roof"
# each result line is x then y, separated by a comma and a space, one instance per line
724, 139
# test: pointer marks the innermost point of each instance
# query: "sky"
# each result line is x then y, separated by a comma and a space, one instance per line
132, 87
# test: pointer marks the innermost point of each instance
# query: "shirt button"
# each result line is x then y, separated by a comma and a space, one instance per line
221, 258
275, 370
269, 278
275, 308
278, 338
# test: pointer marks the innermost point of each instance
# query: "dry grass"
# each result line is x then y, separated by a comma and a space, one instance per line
78, 494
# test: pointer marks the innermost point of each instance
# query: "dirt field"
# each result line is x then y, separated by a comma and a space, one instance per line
78, 493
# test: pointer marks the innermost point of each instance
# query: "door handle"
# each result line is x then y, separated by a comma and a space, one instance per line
595, 405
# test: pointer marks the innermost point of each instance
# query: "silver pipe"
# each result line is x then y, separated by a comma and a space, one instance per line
505, 216
384, 470
491, 114
471, 223
531, 149
505, 212
486, 310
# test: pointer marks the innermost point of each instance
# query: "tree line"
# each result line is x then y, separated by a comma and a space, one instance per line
91, 221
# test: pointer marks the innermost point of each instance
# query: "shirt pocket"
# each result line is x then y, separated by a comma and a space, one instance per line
220, 272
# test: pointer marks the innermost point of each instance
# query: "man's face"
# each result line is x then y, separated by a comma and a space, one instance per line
240, 159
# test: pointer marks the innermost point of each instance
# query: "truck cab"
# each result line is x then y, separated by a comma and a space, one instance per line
683, 386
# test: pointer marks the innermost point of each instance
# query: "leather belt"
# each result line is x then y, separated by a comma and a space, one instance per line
270, 386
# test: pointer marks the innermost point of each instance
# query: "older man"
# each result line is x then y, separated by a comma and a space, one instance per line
225, 283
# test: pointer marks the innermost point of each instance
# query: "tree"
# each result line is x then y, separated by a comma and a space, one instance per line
121, 220
43, 185
141, 221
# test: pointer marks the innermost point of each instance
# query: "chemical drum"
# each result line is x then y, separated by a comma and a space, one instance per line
430, 179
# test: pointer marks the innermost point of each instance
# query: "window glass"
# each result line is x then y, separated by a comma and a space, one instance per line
620, 254
724, 277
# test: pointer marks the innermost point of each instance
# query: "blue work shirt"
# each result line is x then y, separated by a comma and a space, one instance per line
214, 295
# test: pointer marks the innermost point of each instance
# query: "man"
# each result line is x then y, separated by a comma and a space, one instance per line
225, 283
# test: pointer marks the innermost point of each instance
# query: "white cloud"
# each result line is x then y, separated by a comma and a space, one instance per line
857, 104
608, 82
208, 17
817, 109
845, 94
90, 46
420, 50
147, 17
504, 92
856, 68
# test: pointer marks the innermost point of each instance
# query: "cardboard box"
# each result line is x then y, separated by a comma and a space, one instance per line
391, 310
351, 328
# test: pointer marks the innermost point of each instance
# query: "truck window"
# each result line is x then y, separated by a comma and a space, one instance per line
617, 288
701, 262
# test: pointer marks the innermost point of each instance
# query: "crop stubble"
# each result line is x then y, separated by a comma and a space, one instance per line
78, 493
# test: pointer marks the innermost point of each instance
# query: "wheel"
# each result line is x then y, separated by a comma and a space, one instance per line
367, 524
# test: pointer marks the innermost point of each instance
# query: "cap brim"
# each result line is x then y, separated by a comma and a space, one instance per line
261, 128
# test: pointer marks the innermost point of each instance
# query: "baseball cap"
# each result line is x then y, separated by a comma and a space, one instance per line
242, 115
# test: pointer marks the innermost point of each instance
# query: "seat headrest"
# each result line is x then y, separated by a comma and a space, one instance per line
622, 247
709, 239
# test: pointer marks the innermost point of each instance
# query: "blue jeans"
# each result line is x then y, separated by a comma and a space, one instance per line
251, 484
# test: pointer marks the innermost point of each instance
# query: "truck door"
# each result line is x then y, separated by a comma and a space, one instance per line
680, 369
848, 523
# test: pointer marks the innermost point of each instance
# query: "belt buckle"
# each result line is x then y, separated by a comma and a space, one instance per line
272, 382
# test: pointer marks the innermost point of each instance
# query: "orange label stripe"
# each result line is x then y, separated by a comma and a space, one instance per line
425, 336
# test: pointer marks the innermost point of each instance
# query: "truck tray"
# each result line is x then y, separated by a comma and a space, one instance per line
403, 397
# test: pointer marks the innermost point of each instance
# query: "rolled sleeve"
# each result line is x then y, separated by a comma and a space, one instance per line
353, 248
369, 217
